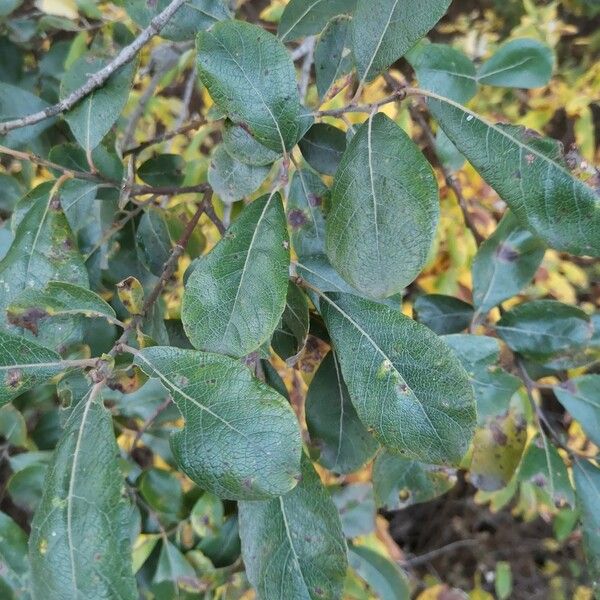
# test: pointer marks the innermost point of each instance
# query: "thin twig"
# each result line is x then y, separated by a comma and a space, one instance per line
194, 124
139, 190
185, 101
428, 556
97, 79
396, 96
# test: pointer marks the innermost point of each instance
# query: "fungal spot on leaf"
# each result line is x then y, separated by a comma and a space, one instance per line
43, 546
507, 253
14, 378
28, 319
530, 158
499, 436
314, 200
297, 218
384, 369
404, 494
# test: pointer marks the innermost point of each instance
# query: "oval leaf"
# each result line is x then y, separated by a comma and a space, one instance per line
308, 17
581, 397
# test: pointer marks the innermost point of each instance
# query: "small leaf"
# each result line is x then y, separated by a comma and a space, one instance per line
405, 382
193, 16
79, 543
541, 328
250, 75
241, 438
291, 333
521, 63
231, 179
529, 175
587, 490
207, 515
382, 175
333, 424
240, 145
302, 18
14, 576
56, 299
293, 546
162, 492
317, 271
23, 365
444, 70
174, 574
443, 314
383, 32
581, 397
333, 54
384, 577
154, 241
505, 263
131, 295
399, 482
240, 288
543, 468
163, 170
356, 507
91, 118
322, 147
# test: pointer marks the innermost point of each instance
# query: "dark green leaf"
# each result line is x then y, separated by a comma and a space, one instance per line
333, 424
23, 365
162, 491
10, 191
223, 548
153, 240
444, 70
384, 31
163, 170
231, 179
399, 482
443, 314
307, 17
91, 118
207, 515
317, 271
174, 574
322, 147
241, 438
293, 546
544, 327
291, 333
333, 56
193, 16
521, 63
382, 175
587, 491
529, 175
250, 75
240, 144
404, 381
581, 397
505, 263
79, 545
14, 575
235, 296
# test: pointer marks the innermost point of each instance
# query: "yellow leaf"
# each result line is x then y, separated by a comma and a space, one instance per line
58, 8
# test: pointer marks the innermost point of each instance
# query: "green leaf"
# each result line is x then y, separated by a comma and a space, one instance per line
322, 147
493, 386
290, 336
529, 175
356, 507
505, 263
240, 145
541, 328
223, 549
153, 239
405, 382
23, 365
13, 427
543, 468
236, 295
250, 75
581, 397
241, 438
443, 314
587, 493
382, 175
91, 118
305, 215
333, 424
444, 70
384, 578
384, 31
193, 16
56, 299
399, 482
14, 575
317, 271
174, 574
333, 56
293, 546
79, 545
73, 156
163, 170
231, 179
302, 18
521, 63
10, 191
207, 516
162, 491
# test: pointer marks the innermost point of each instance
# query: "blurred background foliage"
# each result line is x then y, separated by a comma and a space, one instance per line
466, 543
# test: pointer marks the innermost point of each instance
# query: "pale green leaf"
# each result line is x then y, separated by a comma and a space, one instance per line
293, 546
307, 17
240, 144
382, 175
581, 397
14, 575
405, 383
240, 439
290, 336
356, 507
333, 56
236, 295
